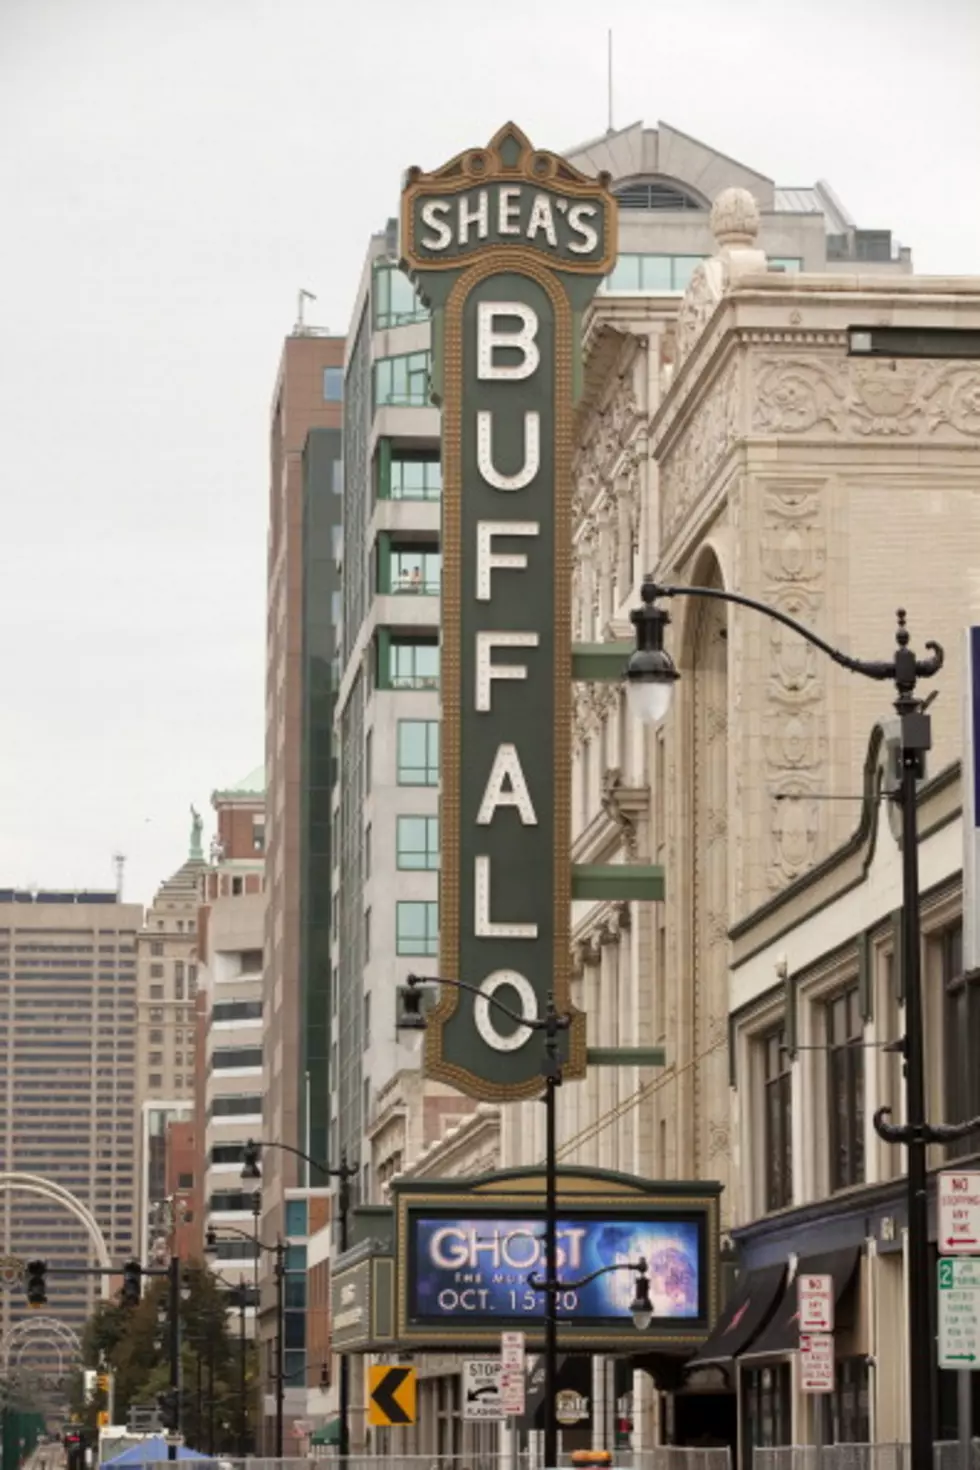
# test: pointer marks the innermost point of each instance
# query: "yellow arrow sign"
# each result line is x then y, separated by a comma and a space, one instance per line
391, 1396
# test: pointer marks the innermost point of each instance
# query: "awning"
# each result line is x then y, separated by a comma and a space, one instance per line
782, 1336
747, 1312
327, 1433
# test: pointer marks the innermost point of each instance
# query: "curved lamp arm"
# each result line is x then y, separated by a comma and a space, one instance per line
639, 1268
902, 669
929, 1132
553, 1021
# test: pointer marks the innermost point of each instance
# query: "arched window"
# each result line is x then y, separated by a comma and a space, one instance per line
653, 193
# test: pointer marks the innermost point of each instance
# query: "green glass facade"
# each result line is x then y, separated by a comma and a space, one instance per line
322, 514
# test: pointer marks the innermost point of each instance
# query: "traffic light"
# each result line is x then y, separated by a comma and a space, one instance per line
37, 1283
132, 1286
167, 1407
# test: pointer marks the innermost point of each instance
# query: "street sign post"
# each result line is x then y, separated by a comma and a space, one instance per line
513, 1366
959, 1213
817, 1362
959, 1314
815, 1297
481, 1390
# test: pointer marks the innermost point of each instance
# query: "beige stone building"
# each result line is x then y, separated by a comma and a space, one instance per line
166, 1002
729, 441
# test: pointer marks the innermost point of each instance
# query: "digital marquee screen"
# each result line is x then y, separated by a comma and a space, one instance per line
475, 1269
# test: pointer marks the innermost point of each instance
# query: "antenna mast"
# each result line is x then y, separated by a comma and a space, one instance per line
609, 79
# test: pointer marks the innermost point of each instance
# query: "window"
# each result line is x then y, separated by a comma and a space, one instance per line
961, 1039
185, 1181
778, 1136
224, 1057
789, 263
237, 887
296, 1221
415, 477
156, 972
237, 1010
155, 1079
156, 992
156, 946
337, 477
258, 835
178, 969
396, 302
417, 843
766, 1407
240, 1106
156, 1058
251, 962
368, 761
156, 1038
652, 273
155, 1015
366, 1025
227, 1153
367, 935
413, 664
333, 385
418, 752
845, 1088
367, 850
402, 381
232, 1199
416, 569
416, 928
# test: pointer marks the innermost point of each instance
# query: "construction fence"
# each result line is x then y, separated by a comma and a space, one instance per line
947, 1455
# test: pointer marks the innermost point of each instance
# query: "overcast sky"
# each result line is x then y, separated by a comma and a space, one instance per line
173, 171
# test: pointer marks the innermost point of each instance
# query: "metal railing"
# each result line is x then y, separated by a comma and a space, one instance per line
947, 1455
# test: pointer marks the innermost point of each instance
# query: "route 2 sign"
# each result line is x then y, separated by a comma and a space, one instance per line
959, 1213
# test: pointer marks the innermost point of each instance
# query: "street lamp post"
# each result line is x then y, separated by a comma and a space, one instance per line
279, 1252
551, 1025
650, 676
344, 1173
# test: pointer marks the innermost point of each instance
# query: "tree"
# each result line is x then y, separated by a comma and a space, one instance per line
135, 1343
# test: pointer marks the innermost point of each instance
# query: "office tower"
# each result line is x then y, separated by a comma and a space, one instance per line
166, 991
68, 1068
228, 1097
304, 554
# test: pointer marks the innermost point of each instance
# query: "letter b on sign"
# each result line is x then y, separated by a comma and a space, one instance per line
489, 338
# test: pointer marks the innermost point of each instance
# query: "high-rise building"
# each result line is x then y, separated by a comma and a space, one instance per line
68, 1070
304, 555
228, 1098
166, 1035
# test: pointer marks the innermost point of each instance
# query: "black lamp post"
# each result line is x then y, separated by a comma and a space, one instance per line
551, 1024
279, 1252
650, 676
344, 1173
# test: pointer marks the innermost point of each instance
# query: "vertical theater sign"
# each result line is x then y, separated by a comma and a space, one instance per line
507, 244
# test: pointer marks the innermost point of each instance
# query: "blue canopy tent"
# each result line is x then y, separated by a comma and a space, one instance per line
155, 1448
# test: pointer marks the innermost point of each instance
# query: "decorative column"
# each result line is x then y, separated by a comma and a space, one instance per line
608, 1012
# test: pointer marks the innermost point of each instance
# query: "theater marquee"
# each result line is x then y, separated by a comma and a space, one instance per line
508, 245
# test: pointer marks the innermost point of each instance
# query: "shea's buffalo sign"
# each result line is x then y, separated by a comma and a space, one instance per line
507, 244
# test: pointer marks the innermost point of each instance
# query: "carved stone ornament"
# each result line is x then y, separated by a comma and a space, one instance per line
845, 396
794, 744
686, 472
706, 288
612, 782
